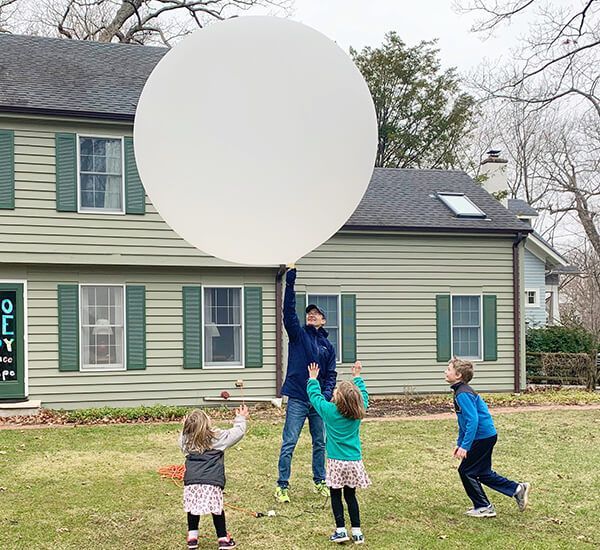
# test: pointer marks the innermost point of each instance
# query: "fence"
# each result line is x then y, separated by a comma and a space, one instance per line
563, 368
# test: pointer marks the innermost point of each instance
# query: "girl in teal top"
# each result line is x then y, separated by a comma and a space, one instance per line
345, 469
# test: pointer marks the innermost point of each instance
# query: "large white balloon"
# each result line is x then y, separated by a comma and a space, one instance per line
255, 139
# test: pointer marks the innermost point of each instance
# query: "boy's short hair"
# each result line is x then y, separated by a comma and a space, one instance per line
463, 367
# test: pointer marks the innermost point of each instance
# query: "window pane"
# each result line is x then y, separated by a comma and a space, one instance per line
329, 305
102, 327
466, 326
222, 326
101, 173
85, 146
466, 342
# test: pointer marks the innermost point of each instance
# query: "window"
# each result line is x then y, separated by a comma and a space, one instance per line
223, 327
101, 174
330, 304
102, 328
466, 326
461, 205
531, 297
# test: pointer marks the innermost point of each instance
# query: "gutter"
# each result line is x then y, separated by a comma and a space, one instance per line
94, 115
436, 229
279, 330
519, 238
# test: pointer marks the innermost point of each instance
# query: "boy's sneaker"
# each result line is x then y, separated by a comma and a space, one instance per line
192, 544
339, 536
522, 495
281, 494
322, 489
358, 539
225, 543
485, 512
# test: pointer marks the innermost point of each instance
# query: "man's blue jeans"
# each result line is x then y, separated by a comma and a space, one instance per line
296, 413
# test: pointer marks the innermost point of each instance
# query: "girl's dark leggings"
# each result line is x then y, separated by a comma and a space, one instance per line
218, 520
338, 507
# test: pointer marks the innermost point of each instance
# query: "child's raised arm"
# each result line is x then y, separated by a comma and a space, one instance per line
313, 389
360, 383
228, 438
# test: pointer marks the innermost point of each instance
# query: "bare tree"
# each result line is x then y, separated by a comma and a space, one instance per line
560, 56
7, 10
580, 296
131, 21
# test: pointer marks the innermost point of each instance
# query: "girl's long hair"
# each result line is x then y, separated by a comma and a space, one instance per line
349, 400
198, 433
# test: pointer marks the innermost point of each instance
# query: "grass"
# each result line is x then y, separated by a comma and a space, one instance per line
96, 487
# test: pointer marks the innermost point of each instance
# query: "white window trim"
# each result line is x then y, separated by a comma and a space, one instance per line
338, 360
80, 209
115, 368
478, 214
480, 358
225, 366
537, 297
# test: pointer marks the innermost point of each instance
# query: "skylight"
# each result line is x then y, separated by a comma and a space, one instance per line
461, 205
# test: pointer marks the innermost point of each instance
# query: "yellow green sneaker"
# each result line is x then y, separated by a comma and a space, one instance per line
281, 494
322, 489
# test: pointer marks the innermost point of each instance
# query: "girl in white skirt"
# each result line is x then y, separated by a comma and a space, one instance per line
204, 477
345, 469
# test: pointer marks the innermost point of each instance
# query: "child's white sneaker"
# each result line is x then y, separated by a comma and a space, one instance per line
485, 512
522, 495
358, 538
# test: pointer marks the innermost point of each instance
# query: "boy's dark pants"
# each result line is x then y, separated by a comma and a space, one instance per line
476, 469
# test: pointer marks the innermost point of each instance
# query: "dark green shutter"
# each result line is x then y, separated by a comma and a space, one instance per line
135, 201
135, 327
348, 328
253, 327
7, 169
68, 327
66, 172
490, 332
442, 317
192, 327
301, 307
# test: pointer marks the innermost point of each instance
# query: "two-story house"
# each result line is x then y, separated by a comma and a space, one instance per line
103, 304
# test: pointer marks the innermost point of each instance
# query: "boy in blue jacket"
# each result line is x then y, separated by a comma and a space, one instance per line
476, 439
308, 344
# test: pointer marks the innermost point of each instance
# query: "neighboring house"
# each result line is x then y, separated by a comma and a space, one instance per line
103, 304
543, 265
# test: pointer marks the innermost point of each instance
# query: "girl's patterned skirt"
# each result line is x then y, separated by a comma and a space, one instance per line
349, 473
202, 499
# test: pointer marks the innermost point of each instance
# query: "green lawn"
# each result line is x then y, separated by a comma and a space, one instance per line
96, 487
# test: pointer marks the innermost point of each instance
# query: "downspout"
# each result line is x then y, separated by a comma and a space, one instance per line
279, 330
519, 238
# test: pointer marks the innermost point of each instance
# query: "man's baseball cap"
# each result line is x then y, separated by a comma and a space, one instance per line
315, 306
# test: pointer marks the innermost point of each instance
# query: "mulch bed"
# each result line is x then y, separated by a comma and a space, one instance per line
378, 408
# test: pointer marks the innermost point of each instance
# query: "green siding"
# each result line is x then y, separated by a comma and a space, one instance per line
7, 169
396, 278
490, 338
46, 228
443, 327
66, 172
192, 327
68, 327
253, 327
164, 380
135, 200
135, 307
348, 328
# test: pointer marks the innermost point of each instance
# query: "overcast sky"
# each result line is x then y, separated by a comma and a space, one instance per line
361, 23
